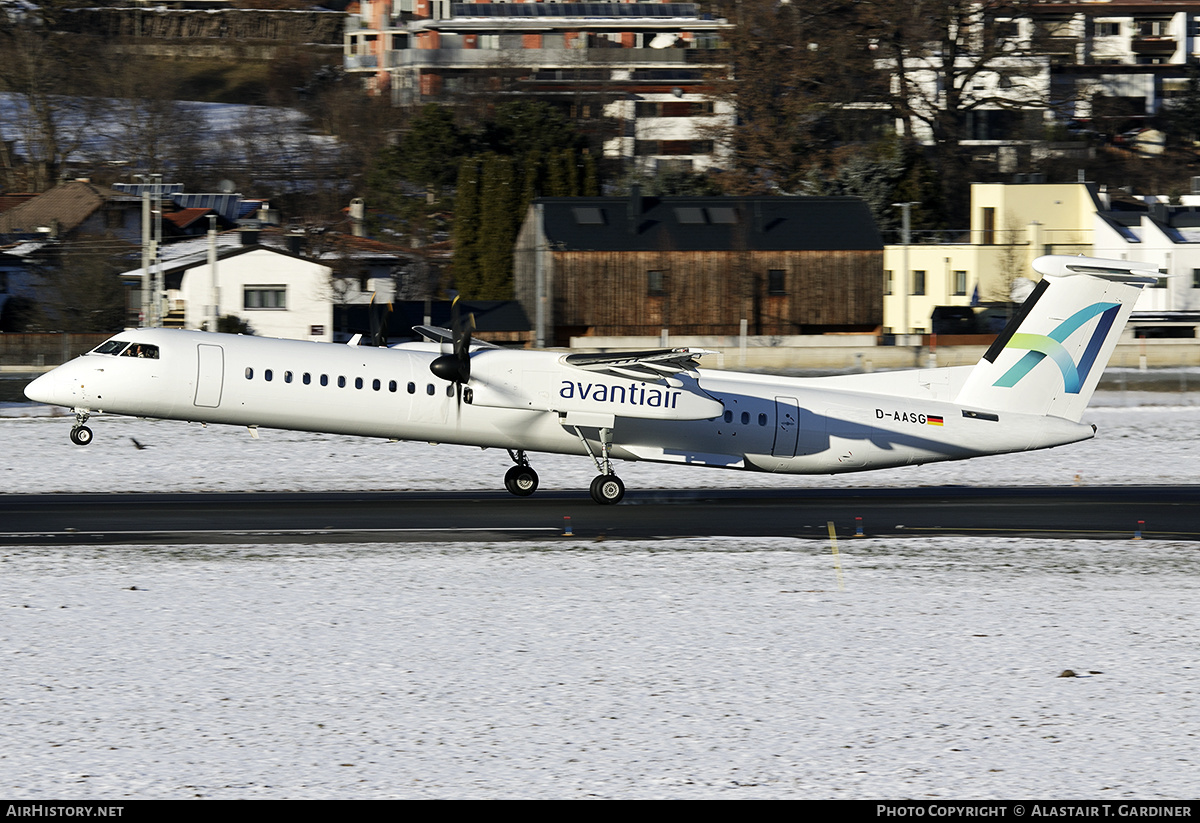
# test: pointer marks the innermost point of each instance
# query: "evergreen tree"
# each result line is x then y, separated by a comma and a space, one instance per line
498, 225
467, 272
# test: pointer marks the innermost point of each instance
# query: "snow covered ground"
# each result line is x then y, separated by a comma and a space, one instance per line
682, 669
712, 668
1137, 443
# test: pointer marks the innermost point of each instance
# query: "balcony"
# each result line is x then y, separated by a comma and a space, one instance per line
1158, 46
548, 58
359, 62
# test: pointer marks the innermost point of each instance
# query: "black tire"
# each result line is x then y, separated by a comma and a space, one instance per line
521, 481
607, 489
81, 435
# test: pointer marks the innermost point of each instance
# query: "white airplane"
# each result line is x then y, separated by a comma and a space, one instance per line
1028, 392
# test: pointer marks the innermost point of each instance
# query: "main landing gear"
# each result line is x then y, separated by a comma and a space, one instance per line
607, 489
81, 435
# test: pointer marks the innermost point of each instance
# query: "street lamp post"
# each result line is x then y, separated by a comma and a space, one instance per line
905, 239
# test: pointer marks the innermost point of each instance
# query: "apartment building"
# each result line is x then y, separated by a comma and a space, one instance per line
638, 76
1099, 66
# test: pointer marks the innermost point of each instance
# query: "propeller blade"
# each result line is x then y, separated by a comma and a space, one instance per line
379, 323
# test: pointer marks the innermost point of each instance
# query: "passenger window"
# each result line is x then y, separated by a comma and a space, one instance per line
762, 420
745, 418
375, 385
307, 378
267, 375
249, 373
728, 416
412, 388
358, 382
341, 382
324, 380
391, 385
429, 390
287, 377
450, 390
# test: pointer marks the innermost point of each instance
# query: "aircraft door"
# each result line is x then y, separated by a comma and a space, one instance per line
787, 427
210, 374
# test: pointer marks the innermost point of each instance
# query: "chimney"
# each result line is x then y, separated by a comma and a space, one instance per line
249, 236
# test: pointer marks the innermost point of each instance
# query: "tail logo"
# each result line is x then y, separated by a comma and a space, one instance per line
1041, 346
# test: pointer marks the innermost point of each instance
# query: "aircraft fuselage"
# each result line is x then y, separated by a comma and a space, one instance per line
531, 401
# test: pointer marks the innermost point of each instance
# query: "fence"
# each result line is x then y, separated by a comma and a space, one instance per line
49, 349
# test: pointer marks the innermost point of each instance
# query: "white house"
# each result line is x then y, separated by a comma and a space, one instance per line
1165, 236
277, 292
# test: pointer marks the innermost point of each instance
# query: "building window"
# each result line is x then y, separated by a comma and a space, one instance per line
673, 108
918, 282
656, 283
1153, 28
1160, 283
960, 283
887, 281
989, 227
1196, 278
1101, 29
265, 297
775, 282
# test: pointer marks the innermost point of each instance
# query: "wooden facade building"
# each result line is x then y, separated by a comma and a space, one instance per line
633, 266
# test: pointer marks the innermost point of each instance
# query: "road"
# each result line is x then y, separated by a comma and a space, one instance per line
1156, 512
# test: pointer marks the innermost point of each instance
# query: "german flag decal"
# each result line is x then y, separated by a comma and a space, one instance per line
933, 420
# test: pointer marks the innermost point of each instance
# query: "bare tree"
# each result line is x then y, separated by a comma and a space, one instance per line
43, 70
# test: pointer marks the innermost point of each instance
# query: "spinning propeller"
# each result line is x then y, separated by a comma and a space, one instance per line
455, 366
379, 323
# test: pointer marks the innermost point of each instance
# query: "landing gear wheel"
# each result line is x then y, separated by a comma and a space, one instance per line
81, 435
607, 489
521, 481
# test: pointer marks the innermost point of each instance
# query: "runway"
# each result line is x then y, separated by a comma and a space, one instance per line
1151, 512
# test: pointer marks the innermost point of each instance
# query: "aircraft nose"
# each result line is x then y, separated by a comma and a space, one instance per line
47, 389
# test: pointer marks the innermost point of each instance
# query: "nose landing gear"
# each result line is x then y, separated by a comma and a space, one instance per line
521, 479
81, 435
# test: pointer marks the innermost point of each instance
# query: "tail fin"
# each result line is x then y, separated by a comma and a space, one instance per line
1050, 357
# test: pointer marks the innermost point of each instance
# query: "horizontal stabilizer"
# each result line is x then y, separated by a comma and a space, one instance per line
1127, 271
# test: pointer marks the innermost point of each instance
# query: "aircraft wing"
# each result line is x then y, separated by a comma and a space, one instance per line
639, 365
437, 334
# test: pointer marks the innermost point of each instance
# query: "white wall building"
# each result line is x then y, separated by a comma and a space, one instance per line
280, 294
1164, 236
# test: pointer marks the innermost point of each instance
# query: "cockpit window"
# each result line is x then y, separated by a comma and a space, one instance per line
110, 347
141, 350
